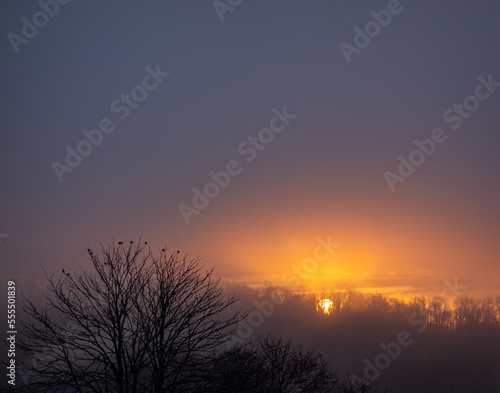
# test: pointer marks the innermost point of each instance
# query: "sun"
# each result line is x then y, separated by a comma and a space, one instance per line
325, 305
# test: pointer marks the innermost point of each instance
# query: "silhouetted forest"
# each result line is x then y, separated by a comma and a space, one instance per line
451, 345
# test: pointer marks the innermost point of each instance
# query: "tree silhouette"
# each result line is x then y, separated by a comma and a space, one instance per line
237, 370
272, 365
135, 323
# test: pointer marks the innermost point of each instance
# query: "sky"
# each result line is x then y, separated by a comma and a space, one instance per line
308, 123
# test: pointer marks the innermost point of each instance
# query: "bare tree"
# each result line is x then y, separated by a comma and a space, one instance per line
135, 323
291, 369
238, 369
272, 365
186, 306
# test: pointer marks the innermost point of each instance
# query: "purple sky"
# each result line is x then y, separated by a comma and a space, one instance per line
321, 175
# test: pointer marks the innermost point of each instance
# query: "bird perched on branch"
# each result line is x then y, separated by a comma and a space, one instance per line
120, 242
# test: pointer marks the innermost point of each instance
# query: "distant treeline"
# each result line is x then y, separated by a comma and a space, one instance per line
447, 312
439, 311
446, 345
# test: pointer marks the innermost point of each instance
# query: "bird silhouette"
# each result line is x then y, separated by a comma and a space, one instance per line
145, 242
120, 242
163, 250
178, 251
131, 242
63, 271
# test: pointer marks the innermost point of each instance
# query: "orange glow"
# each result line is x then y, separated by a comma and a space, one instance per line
376, 254
325, 305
